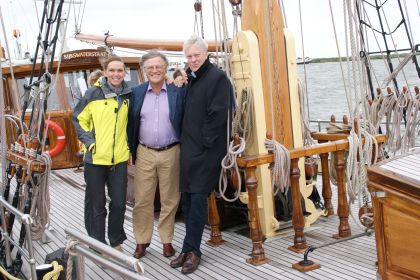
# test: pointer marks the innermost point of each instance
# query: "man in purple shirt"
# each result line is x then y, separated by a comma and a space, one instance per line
154, 130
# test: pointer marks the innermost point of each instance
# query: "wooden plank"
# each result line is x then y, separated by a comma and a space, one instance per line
224, 262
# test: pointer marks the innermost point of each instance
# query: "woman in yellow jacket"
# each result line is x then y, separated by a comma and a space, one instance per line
100, 119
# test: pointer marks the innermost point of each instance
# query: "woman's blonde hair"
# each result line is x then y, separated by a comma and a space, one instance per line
94, 76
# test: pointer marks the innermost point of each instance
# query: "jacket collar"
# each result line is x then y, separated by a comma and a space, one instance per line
109, 91
197, 74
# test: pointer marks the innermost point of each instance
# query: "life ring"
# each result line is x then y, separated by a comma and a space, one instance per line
61, 138
366, 216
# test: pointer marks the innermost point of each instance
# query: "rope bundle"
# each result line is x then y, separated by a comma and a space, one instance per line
40, 207
243, 121
280, 168
71, 251
55, 273
393, 109
229, 163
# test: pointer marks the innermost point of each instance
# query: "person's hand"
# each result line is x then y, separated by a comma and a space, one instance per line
168, 79
181, 80
130, 160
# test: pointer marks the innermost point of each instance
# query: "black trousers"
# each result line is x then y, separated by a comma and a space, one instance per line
115, 177
195, 209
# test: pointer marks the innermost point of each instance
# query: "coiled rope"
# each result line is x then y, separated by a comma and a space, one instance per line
7, 275
40, 207
229, 163
71, 251
55, 273
412, 122
280, 168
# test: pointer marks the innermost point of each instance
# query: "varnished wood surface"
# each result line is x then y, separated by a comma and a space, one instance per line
395, 188
254, 160
354, 259
401, 174
23, 70
135, 43
265, 19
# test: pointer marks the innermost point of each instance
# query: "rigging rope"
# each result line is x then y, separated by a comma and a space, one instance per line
303, 54
3, 147
243, 122
359, 155
306, 130
229, 163
40, 207
72, 253
280, 168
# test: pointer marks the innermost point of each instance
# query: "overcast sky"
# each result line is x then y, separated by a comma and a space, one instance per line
174, 19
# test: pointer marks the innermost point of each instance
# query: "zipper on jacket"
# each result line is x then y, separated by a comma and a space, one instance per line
94, 137
115, 132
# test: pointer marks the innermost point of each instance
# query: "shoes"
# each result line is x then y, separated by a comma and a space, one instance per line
140, 250
119, 248
191, 263
168, 250
178, 261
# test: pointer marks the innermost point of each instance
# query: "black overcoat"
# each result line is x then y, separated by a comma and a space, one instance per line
204, 129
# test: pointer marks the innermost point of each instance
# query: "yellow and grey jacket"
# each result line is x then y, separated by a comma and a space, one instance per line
100, 119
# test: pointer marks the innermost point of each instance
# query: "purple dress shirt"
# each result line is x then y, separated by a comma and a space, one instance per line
156, 130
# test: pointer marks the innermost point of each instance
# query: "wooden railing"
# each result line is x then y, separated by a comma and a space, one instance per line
250, 163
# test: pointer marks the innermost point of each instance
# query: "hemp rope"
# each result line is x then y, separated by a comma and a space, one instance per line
40, 207
229, 163
280, 168
71, 251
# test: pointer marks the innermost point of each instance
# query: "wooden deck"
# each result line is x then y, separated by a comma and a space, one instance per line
353, 259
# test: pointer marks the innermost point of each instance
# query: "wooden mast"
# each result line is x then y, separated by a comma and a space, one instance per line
265, 19
136, 44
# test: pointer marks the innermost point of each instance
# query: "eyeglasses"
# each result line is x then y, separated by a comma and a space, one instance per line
154, 67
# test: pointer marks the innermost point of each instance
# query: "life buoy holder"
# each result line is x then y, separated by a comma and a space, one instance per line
61, 138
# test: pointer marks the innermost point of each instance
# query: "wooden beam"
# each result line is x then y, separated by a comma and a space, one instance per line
136, 44
265, 19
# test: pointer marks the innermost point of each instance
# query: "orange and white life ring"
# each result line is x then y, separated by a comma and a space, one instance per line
59, 134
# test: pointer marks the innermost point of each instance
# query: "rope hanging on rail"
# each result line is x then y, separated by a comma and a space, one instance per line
229, 164
280, 168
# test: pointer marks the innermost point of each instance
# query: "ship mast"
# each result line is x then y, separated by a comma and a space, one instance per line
258, 16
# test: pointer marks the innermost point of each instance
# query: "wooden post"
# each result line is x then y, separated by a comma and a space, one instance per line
326, 187
214, 222
299, 241
257, 16
257, 255
343, 207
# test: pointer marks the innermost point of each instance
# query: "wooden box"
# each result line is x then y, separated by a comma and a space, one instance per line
395, 188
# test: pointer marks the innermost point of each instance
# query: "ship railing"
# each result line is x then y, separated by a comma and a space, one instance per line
328, 143
321, 125
26, 221
80, 244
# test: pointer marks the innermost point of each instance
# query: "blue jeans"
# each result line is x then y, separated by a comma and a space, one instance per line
195, 209
115, 177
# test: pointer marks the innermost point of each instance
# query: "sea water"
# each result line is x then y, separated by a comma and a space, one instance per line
326, 90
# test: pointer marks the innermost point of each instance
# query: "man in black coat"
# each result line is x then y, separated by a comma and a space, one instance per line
203, 145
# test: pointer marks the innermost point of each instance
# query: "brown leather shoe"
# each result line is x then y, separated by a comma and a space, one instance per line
140, 250
168, 250
191, 263
178, 261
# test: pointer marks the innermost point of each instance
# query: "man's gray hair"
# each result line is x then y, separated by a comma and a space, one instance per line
152, 54
195, 40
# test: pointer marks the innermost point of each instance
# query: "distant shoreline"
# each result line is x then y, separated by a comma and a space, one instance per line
336, 59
